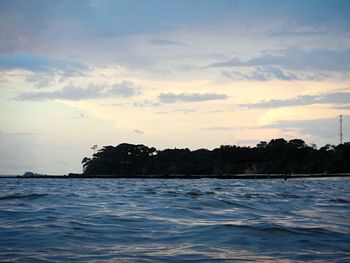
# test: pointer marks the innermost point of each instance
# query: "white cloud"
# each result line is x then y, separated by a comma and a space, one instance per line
337, 98
296, 59
124, 89
190, 97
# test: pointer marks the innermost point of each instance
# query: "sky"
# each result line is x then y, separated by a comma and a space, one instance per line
181, 73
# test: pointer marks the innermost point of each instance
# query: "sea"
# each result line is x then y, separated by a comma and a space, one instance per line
174, 220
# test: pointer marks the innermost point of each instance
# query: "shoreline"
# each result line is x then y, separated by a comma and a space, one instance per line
183, 176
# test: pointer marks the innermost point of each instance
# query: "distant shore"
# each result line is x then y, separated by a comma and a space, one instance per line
183, 176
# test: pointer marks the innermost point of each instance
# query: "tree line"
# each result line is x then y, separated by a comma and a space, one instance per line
276, 156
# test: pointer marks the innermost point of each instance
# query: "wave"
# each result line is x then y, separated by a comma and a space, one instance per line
279, 229
21, 196
130, 220
236, 203
194, 193
339, 200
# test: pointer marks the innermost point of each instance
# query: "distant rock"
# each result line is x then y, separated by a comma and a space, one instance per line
31, 174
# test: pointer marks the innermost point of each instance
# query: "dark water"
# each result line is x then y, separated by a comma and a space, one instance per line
50, 220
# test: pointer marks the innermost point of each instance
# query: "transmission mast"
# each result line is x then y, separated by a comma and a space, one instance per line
341, 129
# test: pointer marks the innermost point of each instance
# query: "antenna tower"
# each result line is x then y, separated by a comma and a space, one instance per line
341, 129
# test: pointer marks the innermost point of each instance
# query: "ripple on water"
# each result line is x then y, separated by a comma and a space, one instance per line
174, 220
22, 196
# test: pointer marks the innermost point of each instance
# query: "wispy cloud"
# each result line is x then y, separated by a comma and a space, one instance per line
138, 132
328, 98
165, 42
190, 97
35, 63
296, 59
344, 107
297, 31
261, 74
41, 80
124, 89
146, 103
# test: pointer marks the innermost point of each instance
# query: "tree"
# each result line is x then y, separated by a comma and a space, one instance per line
261, 144
277, 156
94, 147
298, 143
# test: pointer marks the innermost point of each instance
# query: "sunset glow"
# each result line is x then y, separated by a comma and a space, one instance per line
193, 74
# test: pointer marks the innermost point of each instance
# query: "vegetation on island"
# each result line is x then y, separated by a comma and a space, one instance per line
277, 156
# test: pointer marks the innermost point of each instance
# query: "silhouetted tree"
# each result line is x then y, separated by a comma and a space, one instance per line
277, 156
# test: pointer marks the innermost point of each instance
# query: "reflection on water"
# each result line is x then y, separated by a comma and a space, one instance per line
174, 220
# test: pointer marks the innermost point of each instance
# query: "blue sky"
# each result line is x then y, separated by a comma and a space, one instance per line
194, 74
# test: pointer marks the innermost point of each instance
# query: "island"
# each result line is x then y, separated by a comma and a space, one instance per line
275, 159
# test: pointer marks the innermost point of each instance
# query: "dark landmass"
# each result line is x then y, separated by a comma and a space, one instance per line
276, 158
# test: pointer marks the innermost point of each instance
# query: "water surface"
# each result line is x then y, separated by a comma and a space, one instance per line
50, 220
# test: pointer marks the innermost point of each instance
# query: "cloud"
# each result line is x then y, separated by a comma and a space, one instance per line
146, 103
22, 23
138, 132
164, 42
296, 59
345, 107
190, 97
124, 89
115, 18
41, 80
261, 74
328, 98
107, 19
67, 93
272, 73
297, 32
35, 63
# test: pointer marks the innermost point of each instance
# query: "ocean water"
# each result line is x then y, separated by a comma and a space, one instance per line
135, 220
